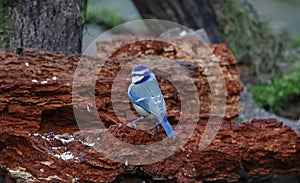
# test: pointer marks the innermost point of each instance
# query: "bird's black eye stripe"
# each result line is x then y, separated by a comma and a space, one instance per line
144, 74
137, 75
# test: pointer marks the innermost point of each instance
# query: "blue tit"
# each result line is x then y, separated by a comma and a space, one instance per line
147, 99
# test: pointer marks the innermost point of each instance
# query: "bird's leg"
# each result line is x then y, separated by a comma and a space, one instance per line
136, 120
158, 127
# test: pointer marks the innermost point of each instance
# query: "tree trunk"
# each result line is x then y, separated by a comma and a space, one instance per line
50, 25
193, 14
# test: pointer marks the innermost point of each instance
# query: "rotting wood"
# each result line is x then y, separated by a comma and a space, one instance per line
36, 88
36, 117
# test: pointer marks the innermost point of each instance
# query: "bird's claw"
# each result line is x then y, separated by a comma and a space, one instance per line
133, 123
158, 127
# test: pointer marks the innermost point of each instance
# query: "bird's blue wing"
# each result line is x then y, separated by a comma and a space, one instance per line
137, 99
157, 106
149, 97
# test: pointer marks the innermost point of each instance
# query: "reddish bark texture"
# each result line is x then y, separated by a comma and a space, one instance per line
234, 152
40, 139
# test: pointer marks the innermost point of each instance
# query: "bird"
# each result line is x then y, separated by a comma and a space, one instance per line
147, 99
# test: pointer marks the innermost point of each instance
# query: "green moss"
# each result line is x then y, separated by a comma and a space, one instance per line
275, 96
85, 9
106, 17
264, 54
1, 17
5, 29
252, 40
296, 41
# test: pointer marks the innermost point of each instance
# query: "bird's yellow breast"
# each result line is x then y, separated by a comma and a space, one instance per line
142, 111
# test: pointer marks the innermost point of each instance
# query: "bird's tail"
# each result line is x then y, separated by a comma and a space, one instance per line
168, 128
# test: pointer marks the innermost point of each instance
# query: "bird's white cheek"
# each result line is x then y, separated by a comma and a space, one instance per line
137, 78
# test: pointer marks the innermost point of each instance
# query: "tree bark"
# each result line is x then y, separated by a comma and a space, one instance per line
193, 14
46, 25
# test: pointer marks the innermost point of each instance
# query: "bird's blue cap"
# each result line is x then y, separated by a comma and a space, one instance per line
140, 68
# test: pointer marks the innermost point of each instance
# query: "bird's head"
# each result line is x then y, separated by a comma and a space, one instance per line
141, 74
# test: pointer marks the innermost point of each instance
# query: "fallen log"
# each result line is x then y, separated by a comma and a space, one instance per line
37, 117
37, 86
237, 153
